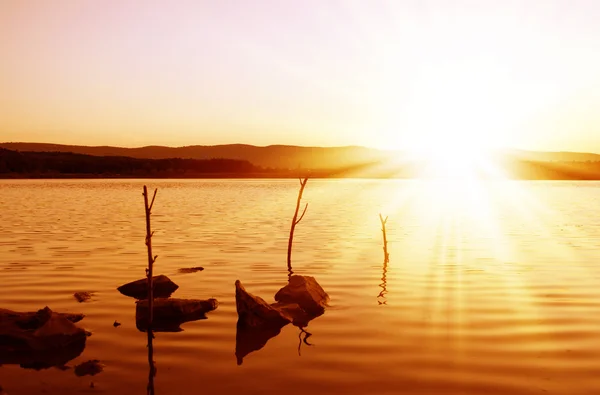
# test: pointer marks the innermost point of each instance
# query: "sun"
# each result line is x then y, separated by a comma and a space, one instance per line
456, 153
447, 162
455, 119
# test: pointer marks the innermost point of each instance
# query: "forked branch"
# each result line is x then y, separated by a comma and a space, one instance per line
151, 259
302, 216
296, 221
386, 255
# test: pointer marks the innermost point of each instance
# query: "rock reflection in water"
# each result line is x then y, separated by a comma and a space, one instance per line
170, 313
249, 339
39, 360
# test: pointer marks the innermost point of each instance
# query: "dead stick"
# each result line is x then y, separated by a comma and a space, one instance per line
151, 259
296, 221
386, 256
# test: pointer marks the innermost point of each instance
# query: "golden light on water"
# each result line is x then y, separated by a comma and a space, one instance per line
423, 113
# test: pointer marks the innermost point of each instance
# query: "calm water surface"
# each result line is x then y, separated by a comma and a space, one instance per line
491, 288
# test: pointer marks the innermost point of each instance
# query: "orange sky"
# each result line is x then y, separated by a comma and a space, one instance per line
391, 74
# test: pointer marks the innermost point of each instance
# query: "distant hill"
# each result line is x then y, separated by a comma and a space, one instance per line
281, 156
27, 164
273, 156
23, 164
561, 156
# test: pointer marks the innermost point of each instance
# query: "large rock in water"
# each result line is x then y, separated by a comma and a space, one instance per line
306, 293
169, 314
163, 287
254, 312
39, 339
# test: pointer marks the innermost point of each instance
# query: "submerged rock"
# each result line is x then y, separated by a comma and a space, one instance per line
187, 270
89, 368
163, 287
169, 314
254, 312
306, 293
83, 296
39, 339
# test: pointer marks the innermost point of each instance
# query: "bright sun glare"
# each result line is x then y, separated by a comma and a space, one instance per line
451, 127
450, 154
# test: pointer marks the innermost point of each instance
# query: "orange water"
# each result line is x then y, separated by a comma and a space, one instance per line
491, 288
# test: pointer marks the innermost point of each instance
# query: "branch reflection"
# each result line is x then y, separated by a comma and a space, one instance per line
151, 364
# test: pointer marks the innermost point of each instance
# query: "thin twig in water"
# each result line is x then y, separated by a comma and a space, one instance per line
151, 259
296, 221
386, 255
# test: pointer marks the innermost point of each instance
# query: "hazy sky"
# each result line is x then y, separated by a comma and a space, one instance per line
379, 73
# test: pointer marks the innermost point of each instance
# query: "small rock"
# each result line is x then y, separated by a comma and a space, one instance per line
116, 324
83, 296
306, 293
163, 287
89, 368
187, 270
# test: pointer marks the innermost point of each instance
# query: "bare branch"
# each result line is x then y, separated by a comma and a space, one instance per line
383, 221
151, 260
302, 216
295, 221
152, 203
386, 255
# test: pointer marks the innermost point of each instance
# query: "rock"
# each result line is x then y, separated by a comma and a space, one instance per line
306, 293
83, 296
163, 287
298, 316
187, 270
39, 339
89, 368
116, 324
170, 313
58, 331
254, 312
33, 320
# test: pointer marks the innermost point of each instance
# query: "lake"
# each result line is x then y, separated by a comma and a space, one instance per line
491, 288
